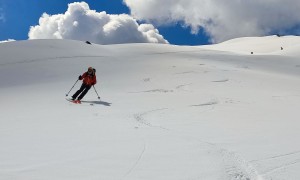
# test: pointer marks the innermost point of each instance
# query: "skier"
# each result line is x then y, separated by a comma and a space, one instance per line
89, 80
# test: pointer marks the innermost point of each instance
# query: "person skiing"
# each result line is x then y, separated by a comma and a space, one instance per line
89, 80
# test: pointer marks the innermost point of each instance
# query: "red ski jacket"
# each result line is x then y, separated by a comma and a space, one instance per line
89, 79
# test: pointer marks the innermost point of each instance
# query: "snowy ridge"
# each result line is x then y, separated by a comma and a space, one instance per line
166, 112
284, 45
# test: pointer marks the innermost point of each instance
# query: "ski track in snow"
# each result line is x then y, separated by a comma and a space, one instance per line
209, 103
282, 161
222, 80
186, 72
146, 79
179, 87
71, 57
278, 156
183, 85
137, 161
236, 167
139, 117
280, 167
154, 90
48, 59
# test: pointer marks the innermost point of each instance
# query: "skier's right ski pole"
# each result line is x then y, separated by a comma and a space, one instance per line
96, 92
72, 87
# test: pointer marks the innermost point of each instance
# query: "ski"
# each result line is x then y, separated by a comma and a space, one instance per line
73, 101
78, 101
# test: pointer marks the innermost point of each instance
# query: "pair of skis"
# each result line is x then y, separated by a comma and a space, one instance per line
74, 101
80, 102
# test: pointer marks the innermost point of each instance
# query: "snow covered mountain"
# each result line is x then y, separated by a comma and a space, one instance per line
166, 112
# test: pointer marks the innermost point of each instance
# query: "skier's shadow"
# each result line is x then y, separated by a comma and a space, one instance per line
98, 102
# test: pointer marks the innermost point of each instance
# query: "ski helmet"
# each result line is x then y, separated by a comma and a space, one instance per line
90, 70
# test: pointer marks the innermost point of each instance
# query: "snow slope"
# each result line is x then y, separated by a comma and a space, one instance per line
166, 112
278, 45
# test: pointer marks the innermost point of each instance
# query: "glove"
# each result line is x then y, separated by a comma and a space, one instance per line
80, 77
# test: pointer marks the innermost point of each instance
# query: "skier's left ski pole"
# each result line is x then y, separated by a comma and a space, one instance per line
72, 87
96, 92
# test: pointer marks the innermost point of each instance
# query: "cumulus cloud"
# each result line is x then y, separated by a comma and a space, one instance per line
222, 20
79, 22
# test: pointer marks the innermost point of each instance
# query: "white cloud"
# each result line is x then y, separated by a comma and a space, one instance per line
81, 23
9, 40
220, 19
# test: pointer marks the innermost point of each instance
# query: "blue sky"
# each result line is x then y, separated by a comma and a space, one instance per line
210, 21
19, 15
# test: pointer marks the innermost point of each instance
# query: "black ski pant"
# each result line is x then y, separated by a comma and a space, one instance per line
82, 91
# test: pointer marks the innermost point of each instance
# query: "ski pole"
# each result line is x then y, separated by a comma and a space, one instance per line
72, 88
96, 92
